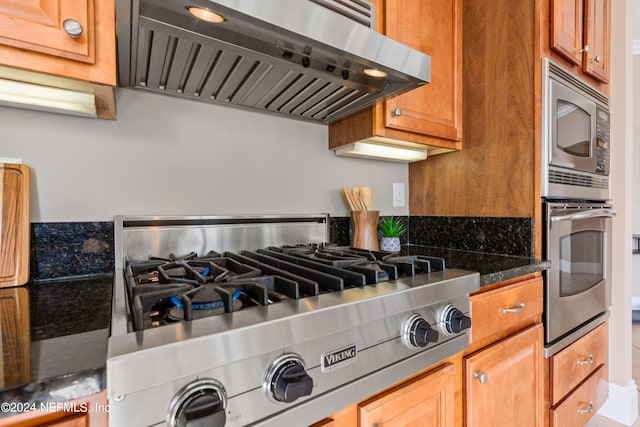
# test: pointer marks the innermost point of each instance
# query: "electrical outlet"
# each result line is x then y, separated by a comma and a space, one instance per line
398, 195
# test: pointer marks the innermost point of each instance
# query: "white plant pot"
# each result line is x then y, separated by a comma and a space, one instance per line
391, 244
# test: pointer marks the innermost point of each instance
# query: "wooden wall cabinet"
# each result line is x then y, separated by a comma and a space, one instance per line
33, 38
504, 365
494, 175
429, 115
580, 32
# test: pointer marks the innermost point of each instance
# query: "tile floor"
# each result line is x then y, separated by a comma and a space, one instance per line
600, 421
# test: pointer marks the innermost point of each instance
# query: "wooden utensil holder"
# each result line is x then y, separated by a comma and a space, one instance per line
364, 229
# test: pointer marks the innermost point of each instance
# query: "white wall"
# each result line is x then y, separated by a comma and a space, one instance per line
166, 156
636, 161
622, 404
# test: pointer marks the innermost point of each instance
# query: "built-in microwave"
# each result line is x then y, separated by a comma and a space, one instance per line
575, 137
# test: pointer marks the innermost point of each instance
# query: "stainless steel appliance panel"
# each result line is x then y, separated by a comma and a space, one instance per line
575, 137
578, 284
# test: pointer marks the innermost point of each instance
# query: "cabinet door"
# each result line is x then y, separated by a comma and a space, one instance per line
503, 382
566, 29
434, 27
39, 26
427, 397
597, 33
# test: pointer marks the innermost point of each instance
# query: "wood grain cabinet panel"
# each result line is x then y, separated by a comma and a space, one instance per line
584, 402
580, 33
567, 28
426, 397
503, 382
574, 363
39, 26
431, 114
35, 48
434, 109
505, 308
597, 37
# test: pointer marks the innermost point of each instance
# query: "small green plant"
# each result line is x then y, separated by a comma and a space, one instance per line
392, 227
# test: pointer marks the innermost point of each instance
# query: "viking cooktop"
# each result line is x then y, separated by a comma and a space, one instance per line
256, 320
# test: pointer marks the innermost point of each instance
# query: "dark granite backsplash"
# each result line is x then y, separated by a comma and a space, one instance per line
86, 301
505, 236
61, 249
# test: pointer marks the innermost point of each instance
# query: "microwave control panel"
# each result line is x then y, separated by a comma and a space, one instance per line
602, 140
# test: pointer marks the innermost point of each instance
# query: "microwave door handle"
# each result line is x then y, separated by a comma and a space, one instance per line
592, 213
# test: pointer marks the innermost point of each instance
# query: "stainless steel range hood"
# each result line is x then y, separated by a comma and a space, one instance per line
291, 57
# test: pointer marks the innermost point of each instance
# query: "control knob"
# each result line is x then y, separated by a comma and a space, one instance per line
199, 403
417, 332
454, 321
287, 379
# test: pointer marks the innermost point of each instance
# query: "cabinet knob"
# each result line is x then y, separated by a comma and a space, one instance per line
516, 309
587, 409
72, 27
597, 58
584, 49
396, 112
587, 361
481, 376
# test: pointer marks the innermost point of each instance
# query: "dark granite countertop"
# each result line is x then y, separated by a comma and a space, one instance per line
57, 351
492, 268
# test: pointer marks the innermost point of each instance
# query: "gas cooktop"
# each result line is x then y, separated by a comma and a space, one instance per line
234, 321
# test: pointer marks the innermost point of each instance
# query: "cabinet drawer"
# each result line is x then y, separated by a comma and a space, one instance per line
583, 403
504, 308
573, 364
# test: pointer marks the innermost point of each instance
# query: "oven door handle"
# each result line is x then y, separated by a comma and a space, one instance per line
591, 213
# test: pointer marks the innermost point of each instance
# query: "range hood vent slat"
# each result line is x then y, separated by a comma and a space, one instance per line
313, 99
334, 97
218, 74
269, 83
263, 59
200, 70
178, 65
159, 45
251, 82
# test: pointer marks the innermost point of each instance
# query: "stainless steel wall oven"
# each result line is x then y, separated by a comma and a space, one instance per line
578, 284
576, 207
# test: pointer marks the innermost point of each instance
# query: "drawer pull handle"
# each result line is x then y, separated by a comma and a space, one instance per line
516, 309
587, 361
481, 376
588, 409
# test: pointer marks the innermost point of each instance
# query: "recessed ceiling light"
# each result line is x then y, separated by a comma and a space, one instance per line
206, 14
374, 72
